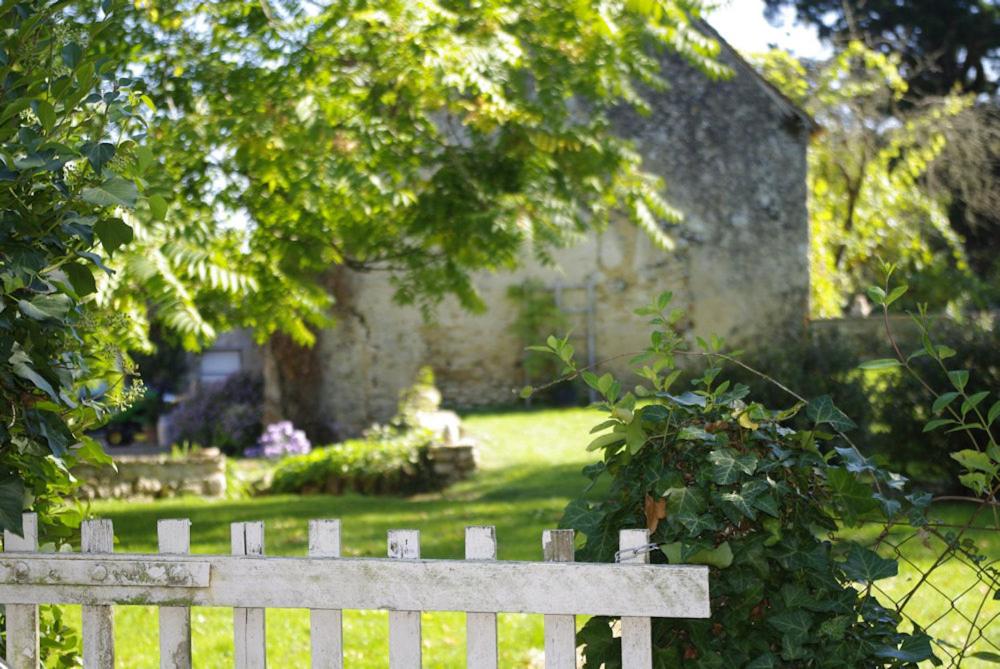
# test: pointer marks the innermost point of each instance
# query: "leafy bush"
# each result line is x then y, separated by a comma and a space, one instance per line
227, 414
381, 463
721, 480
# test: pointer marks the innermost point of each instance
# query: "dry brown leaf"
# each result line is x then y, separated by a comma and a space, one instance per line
656, 510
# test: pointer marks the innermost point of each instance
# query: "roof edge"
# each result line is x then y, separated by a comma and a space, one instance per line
780, 100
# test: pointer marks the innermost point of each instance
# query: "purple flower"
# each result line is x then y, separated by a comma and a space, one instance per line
280, 439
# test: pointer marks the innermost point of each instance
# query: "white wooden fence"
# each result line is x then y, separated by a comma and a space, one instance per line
326, 583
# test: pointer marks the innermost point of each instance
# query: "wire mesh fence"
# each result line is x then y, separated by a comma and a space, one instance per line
949, 581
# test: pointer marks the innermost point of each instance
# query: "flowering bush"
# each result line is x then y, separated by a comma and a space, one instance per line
280, 439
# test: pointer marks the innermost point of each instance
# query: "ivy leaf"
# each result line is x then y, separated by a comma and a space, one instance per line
740, 503
866, 566
580, 516
793, 623
823, 411
113, 233
11, 504
114, 192
765, 661
727, 465
914, 648
855, 497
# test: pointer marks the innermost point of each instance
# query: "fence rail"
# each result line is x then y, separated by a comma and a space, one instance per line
326, 583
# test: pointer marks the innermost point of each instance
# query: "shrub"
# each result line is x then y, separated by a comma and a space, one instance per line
381, 463
280, 439
721, 480
227, 414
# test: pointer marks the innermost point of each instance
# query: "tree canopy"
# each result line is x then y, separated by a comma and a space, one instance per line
868, 199
424, 139
943, 43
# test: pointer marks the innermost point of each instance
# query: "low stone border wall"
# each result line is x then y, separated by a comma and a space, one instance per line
161, 475
453, 462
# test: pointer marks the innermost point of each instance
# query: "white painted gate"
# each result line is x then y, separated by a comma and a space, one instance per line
326, 583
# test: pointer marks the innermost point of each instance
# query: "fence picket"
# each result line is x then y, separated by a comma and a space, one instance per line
325, 625
174, 538
637, 633
404, 626
560, 630
481, 628
22, 619
249, 627
98, 536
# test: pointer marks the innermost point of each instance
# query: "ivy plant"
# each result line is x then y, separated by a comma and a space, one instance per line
721, 480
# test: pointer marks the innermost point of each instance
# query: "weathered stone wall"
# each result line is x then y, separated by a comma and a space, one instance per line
733, 156
161, 475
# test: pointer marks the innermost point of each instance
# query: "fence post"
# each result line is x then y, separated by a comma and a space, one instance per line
175, 621
560, 630
404, 626
325, 625
98, 536
22, 619
637, 633
249, 630
481, 628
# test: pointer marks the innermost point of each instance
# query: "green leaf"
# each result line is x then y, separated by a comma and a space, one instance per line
936, 423
81, 277
943, 400
114, 192
794, 623
113, 233
99, 155
22, 366
895, 294
866, 566
822, 411
11, 504
876, 295
46, 307
720, 557
993, 413
91, 451
580, 516
914, 648
974, 460
605, 440
854, 496
728, 465
973, 401
880, 363
635, 436
959, 378
71, 54
46, 114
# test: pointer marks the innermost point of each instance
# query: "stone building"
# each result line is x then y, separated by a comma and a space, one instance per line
733, 156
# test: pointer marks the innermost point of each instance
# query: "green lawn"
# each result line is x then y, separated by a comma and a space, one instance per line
530, 468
